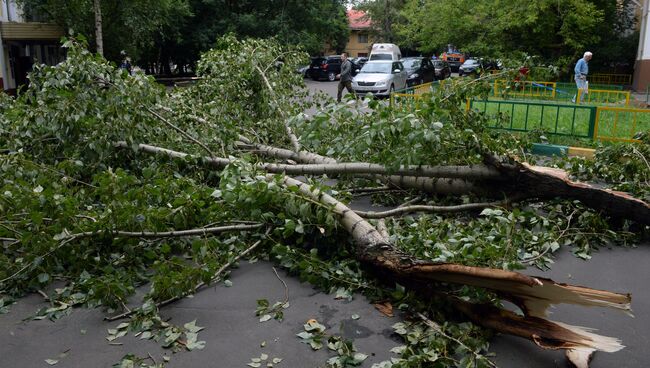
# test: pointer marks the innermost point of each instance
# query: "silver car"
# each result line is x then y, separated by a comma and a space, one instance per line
380, 78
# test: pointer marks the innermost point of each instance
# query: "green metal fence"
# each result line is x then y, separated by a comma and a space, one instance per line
556, 119
559, 92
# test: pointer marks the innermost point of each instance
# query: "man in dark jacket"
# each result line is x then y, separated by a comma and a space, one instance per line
345, 78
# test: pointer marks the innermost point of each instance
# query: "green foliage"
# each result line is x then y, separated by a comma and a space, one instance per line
626, 167
427, 347
556, 30
67, 191
126, 25
384, 14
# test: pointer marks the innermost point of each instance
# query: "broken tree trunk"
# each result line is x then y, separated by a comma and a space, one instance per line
521, 180
545, 183
533, 295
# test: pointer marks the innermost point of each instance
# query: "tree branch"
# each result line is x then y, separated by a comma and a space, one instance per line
165, 234
198, 286
430, 209
292, 137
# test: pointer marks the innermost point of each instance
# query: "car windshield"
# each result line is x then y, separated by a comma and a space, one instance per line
411, 63
376, 68
438, 64
381, 57
470, 62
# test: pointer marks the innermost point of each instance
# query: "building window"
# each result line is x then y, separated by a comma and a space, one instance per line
363, 38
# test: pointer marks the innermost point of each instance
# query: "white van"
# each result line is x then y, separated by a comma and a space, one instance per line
385, 51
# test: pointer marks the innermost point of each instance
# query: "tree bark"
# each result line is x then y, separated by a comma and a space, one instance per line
99, 38
546, 183
518, 179
533, 295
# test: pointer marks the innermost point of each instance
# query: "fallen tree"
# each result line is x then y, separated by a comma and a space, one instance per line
88, 200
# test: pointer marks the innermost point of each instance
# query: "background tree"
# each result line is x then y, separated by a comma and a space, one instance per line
126, 25
384, 14
310, 24
157, 34
558, 31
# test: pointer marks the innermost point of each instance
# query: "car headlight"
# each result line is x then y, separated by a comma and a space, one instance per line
380, 83
414, 75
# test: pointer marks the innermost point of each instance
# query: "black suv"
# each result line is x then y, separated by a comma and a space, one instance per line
327, 67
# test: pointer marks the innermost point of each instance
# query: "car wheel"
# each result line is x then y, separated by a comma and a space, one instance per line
331, 76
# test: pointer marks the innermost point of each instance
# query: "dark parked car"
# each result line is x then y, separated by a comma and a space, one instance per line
474, 66
327, 67
419, 69
359, 62
443, 70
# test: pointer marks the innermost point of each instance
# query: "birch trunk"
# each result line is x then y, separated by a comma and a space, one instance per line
99, 38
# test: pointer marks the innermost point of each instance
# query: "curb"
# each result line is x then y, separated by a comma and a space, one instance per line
561, 151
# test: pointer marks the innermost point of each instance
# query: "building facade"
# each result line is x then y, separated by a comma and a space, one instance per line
360, 40
23, 42
641, 78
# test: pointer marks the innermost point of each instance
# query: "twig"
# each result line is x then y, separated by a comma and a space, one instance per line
198, 287
429, 209
411, 202
436, 327
167, 122
286, 288
31, 263
642, 157
152, 359
47, 298
292, 137
57, 172
181, 131
86, 217
364, 191
166, 234
543, 253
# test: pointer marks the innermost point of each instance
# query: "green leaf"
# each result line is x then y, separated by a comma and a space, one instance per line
305, 335
192, 327
51, 361
43, 278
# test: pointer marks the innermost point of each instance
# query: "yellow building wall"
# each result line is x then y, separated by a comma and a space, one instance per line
354, 47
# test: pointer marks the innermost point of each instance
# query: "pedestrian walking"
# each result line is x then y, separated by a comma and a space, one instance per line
345, 78
126, 62
581, 70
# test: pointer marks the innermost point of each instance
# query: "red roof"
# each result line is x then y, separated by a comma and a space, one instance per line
357, 19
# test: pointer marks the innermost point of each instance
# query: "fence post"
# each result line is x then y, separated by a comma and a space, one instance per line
554, 89
593, 122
